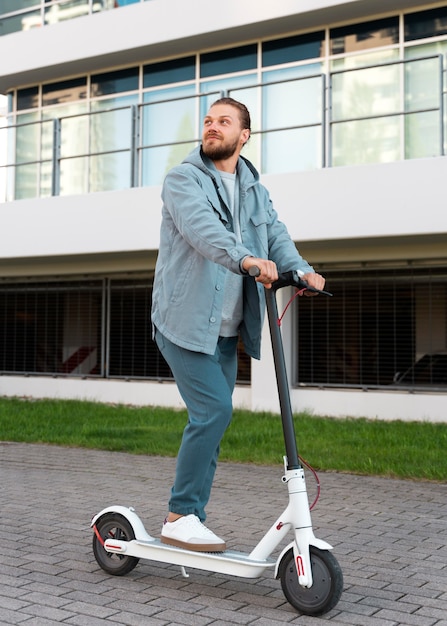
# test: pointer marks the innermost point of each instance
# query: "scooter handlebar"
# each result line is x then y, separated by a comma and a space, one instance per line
289, 279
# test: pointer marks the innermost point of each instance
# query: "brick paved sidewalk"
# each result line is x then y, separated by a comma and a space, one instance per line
390, 537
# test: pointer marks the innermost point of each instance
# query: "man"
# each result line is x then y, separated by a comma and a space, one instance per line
217, 222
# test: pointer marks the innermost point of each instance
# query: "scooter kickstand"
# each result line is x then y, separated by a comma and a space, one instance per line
184, 572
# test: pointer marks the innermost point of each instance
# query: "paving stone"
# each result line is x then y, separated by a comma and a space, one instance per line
389, 536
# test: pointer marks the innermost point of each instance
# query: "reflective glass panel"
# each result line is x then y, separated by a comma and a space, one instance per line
27, 98
64, 91
290, 49
26, 184
73, 128
293, 103
27, 138
423, 84
73, 176
114, 82
66, 11
289, 105
175, 71
356, 37
109, 171
426, 91
169, 116
111, 125
46, 171
367, 141
123, 3
228, 61
422, 135
157, 161
24, 21
8, 6
425, 24
166, 120
292, 150
366, 92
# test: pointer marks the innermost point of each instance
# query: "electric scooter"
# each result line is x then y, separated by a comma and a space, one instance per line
310, 575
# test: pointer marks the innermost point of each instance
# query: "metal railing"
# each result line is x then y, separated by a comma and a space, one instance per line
109, 149
47, 12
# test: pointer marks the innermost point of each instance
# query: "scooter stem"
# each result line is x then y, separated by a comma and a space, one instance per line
282, 382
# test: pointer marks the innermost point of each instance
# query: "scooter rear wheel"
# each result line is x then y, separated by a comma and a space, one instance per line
113, 526
327, 582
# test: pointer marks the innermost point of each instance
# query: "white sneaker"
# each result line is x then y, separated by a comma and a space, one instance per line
189, 532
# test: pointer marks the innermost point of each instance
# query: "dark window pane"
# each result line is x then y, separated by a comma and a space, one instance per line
115, 82
133, 353
289, 49
27, 98
174, 71
64, 91
426, 24
226, 61
51, 328
357, 37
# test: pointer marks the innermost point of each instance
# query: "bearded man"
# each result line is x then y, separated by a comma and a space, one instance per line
217, 222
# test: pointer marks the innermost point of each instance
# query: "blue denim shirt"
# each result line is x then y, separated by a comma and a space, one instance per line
198, 247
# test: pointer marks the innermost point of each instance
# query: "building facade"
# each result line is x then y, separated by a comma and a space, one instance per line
348, 102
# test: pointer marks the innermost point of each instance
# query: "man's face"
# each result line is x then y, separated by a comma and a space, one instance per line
222, 134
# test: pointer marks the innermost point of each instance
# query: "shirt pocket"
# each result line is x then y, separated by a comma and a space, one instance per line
259, 223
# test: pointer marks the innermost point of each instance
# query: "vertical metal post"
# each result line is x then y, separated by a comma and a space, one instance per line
441, 105
134, 145
56, 158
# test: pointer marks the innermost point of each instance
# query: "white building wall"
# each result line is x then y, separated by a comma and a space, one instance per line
400, 199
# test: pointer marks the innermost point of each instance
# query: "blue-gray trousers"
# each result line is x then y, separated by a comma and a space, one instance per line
206, 384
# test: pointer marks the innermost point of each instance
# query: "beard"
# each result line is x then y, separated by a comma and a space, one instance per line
220, 152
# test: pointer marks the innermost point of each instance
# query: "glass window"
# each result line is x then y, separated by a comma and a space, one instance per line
374, 331
64, 91
228, 61
115, 82
293, 115
22, 21
428, 78
51, 328
8, 6
175, 71
109, 171
27, 98
168, 117
73, 176
66, 11
425, 24
357, 37
111, 124
290, 49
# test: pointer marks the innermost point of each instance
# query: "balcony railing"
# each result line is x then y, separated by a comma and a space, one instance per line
377, 113
38, 13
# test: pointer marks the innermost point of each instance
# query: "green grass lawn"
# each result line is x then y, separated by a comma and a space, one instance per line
412, 450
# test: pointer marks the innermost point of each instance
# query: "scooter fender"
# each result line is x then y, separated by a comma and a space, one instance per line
302, 561
133, 519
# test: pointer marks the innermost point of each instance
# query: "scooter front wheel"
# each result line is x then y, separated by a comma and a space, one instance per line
327, 582
113, 526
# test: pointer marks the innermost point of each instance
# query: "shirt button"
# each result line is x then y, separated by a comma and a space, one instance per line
212, 320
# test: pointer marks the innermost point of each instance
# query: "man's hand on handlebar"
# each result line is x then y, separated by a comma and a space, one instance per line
313, 280
268, 271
